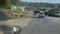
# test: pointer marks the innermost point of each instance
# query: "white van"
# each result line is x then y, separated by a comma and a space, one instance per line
41, 14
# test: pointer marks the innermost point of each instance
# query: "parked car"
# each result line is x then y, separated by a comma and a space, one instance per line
51, 14
41, 14
55, 14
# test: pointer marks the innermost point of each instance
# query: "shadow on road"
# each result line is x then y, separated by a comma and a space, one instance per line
3, 16
5, 29
33, 17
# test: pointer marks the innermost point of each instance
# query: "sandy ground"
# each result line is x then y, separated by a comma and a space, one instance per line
21, 22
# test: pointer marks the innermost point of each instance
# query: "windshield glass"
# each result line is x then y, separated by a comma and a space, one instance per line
32, 16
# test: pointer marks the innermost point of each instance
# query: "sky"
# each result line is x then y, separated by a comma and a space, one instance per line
49, 1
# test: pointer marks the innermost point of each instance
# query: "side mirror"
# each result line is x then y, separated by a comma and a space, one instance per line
15, 29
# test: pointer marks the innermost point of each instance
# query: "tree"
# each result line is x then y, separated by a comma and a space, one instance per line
15, 2
8, 4
5, 3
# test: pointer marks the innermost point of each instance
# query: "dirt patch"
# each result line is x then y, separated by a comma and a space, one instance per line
21, 22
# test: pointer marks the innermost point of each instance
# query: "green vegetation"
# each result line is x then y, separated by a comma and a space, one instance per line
14, 8
39, 6
5, 4
8, 3
42, 5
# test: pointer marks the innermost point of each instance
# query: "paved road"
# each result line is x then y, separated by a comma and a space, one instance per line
47, 25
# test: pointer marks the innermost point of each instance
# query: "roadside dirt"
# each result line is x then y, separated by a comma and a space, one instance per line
21, 22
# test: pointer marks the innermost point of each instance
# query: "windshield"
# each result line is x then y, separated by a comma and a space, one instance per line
32, 16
